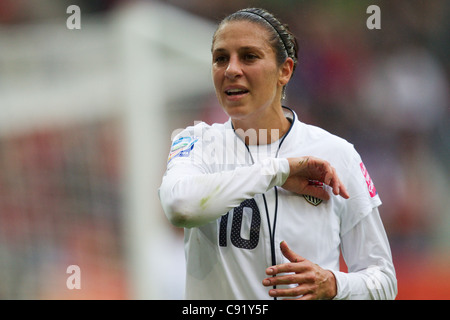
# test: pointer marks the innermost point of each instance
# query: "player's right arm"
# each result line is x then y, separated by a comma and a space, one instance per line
191, 198
192, 194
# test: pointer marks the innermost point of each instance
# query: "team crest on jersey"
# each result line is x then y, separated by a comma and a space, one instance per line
182, 147
312, 200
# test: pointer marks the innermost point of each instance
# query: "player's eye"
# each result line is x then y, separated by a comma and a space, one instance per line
250, 57
220, 59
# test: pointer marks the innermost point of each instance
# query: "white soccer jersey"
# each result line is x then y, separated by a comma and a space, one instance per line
229, 199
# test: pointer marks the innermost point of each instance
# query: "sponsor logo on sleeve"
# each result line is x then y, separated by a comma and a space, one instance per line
182, 147
369, 182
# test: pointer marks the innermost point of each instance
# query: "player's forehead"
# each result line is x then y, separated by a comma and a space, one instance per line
241, 34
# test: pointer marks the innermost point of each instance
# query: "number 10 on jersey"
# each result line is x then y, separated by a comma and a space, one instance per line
246, 207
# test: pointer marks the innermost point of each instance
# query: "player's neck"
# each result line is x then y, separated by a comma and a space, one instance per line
262, 130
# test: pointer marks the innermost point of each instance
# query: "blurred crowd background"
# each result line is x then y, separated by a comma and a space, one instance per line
386, 91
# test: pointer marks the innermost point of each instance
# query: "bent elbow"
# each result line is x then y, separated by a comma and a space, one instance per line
186, 206
178, 217
178, 212
179, 220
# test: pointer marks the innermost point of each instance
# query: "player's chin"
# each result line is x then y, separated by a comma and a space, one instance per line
238, 110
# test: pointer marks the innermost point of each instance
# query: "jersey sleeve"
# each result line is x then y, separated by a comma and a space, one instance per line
371, 272
195, 191
363, 195
364, 244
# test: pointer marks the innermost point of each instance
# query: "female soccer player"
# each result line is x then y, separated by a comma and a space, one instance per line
265, 214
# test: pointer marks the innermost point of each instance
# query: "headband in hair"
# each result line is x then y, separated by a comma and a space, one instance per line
279, 35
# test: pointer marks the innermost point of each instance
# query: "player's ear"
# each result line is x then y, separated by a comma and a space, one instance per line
286, 70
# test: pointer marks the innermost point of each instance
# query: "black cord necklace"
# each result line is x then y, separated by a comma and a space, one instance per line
272, 229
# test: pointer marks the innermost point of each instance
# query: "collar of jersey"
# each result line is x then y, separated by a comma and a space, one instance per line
288, 113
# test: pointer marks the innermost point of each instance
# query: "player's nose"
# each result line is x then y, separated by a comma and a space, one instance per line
233, 69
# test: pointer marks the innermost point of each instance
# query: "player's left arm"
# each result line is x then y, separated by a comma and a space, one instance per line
364, 243
371, 272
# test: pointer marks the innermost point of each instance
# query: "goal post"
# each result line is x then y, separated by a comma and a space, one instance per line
147, 32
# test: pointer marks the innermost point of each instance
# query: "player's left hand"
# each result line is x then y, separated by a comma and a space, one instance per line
304, 170
313, 282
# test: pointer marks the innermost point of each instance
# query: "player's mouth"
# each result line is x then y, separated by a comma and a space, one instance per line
236, 93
